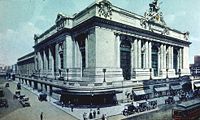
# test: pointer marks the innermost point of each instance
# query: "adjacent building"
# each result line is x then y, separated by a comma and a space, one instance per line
112, 48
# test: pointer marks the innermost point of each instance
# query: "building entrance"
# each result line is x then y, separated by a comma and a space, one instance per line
125, 59
155, 60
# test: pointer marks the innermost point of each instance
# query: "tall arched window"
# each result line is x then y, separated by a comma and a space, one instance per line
125, 59
175, 60
155, 60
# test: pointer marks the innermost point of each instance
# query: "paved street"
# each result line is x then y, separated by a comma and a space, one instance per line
17, 112
56, 112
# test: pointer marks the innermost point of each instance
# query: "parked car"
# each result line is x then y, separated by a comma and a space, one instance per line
142, 106
25, 102
16, 95
1, 92
3, 102
170, 100
42, 97
129, 109
7, 85
183, 97
152, 104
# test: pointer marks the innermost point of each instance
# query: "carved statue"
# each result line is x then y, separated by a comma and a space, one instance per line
154, 6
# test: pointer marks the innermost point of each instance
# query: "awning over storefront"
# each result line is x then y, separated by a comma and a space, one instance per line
94, 92
161, 89
176, 87
197, 84
141, 92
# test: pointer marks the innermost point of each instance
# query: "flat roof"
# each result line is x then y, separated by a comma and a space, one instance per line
188, 104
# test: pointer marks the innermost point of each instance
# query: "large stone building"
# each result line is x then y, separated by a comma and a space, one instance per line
113, 47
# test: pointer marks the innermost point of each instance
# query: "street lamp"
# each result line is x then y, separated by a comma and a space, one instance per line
150, 73
167, 72
67, 74
104, 71
179, 72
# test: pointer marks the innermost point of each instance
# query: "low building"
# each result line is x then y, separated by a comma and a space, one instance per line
26, 65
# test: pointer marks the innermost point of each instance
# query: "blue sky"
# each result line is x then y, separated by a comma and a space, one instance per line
21, 19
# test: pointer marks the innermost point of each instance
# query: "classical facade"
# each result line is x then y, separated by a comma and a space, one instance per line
112, 47
128, 46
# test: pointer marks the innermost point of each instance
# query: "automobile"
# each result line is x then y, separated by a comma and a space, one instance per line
21, 97
183, 97
152, 104
16, 95
142, 105
18, 86
1, 92
7, 85
42, 97
129, 109
170, 100
25, 102
3, 102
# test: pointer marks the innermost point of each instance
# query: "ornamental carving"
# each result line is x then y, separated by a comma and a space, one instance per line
186, 35
153, 14
105, 9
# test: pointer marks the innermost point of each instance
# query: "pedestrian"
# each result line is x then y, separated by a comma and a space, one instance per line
94, 114
103, 117
84, 116
98, 110
90, 115
41, 116
62, 103
72, 107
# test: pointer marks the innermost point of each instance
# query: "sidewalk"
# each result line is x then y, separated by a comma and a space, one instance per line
109, 111
78, 112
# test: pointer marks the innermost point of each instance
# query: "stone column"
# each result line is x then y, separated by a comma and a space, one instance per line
181, 58
170, 51
117, 50
139, 54
134, 54
86, 52
45, 61
164, 56
161, 56
40, 62
51, 61
172, 58
65, 54
178, 59
146, 55
57, 57
159, 61
185, 70
150, 60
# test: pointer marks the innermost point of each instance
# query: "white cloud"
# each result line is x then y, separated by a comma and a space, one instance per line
16, 43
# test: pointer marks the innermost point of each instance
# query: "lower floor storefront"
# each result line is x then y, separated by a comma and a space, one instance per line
90, 99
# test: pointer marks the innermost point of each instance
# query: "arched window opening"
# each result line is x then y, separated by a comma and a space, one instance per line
155, 60
125, 59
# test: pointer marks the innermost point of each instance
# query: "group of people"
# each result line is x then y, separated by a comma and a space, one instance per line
93, 114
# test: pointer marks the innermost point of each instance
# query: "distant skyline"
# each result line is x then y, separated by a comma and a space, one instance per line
21, 19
